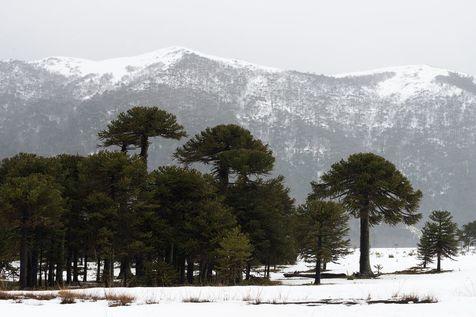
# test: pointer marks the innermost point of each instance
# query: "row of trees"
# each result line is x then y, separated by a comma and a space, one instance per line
173, 225
177, 225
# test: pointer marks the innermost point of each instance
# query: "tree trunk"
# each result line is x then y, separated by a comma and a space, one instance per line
438, 262
68, 267
60, 264
140, 269
181, 265
248, 270
144, 147
190, 271
125, 271
223, 176
98, 270
51, 273
23, 257
85, 270
75, 267
106, 273
171, 254
317, 278
365, 270
40, 265
33, 268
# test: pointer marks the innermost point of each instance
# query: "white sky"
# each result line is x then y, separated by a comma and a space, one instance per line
322, 36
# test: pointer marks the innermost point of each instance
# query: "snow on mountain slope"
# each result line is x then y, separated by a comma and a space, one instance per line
410, 80
123, 66
400, 83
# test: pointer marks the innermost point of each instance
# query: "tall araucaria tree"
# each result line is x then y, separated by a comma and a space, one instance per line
137, 125
229, 149
373, 190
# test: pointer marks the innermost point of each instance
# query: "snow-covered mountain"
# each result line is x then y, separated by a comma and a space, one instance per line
421, 118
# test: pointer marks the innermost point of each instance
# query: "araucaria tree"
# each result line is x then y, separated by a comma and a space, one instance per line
229, 149
322, 233
424, 248
440, 237
233, 254
468, 234
31, 205
373, 190
137, 125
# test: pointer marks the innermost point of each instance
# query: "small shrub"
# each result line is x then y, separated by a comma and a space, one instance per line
414, 298
261, 281
391, 256
196, 299
379, 268
67, 297
151, 302
115, 300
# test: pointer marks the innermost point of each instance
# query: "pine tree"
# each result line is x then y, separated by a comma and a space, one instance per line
229, 149
323, 233
190, 219
25, 165
373, 190
137, 125
112, 183
442, 236
74, 219
234, 251
254, 204
30, 204
468, 234
425, 251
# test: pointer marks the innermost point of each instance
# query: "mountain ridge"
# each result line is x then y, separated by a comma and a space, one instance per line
423, 119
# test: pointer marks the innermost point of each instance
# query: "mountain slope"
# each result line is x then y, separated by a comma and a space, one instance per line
421, 118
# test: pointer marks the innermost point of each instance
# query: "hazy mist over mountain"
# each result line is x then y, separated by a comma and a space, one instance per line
421, 118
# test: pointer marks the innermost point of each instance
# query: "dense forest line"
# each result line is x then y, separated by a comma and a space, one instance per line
176, 225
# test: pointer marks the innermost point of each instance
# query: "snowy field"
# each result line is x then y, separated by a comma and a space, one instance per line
455, 292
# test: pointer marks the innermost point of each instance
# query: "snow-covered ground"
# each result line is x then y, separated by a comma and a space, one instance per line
455, 292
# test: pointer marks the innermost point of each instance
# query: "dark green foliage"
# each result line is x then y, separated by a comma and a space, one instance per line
372, 189
439, 237
468, 234
229, 149
111, 183
233, 253
135, 126
60, 213
264, 211
322, 232
425, 251
25, 164
159, 273
189, 217
30, 205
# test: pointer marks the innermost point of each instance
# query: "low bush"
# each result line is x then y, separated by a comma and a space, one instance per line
196, 299
115, 300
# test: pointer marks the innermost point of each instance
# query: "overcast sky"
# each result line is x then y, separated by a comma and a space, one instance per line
322, 36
